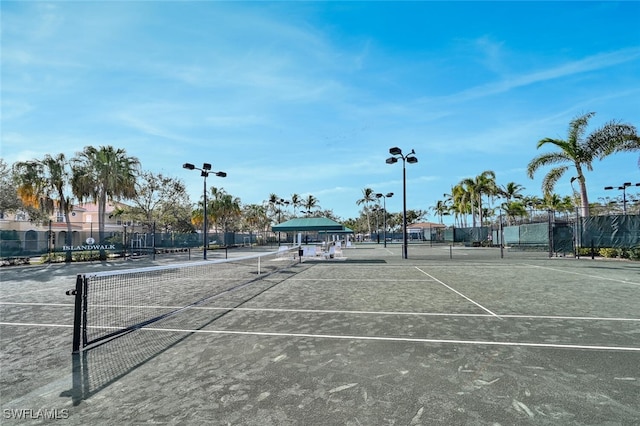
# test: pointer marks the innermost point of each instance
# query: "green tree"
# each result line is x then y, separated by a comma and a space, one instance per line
255, 218
511, 191
45, 183
415, 216
579, 150
310, 203
368, 197
224, 209
441, 209
460, 201
104, 175
9, 200
296, 202
484, 183
514, 210
159, 200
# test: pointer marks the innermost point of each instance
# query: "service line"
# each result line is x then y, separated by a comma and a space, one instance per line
398, 339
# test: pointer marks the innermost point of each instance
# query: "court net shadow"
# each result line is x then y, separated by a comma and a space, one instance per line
98, 367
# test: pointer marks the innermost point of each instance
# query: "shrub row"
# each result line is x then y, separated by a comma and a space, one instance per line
620, 253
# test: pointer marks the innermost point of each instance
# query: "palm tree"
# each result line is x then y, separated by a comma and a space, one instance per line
255, 217
441, 208
511, 191
553, 203
44, 183
579, 151
368, 196
223, 208
103, 175
272, 204
296, 202
310, 203
484, 183
533, 203
514, 209
460, 203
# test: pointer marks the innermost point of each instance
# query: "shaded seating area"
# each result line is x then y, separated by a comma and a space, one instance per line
323, 238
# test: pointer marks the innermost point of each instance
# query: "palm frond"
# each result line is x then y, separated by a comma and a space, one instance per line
551, 178
547, 159
613, 137
578, 126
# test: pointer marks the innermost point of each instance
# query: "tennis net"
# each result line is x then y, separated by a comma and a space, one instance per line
111, 303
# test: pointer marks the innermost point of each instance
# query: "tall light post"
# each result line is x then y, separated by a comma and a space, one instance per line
205, 171
623, 188
376, 210
384, 204
411, 159
281, 202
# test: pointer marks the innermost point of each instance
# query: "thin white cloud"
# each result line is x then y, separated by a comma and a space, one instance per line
591, 63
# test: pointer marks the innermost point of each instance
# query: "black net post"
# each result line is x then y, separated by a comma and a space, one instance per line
77, 316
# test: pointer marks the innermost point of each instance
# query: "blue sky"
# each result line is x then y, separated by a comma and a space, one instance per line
307, 97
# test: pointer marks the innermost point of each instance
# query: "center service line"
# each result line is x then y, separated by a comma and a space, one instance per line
460, 294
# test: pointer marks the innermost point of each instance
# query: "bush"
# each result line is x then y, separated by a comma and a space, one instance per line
584, 251
623, 253
608, 252
634, 253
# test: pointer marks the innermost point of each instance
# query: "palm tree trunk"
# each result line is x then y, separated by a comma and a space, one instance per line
584, 199
102, 208
68, 237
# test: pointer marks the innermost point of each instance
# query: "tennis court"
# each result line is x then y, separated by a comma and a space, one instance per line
448, 336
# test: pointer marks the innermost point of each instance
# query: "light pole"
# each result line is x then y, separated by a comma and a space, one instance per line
411, 159
281, 202
124, 241
376, 209
384, 204
623, 188
204, 172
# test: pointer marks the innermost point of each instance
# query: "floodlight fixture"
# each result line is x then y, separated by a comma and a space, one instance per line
411, 159
384, 199
623, 188
204, 172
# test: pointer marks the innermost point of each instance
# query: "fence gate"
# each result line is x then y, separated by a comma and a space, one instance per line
562, 238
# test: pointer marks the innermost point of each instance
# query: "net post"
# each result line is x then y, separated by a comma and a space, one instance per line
77, 316
84, 303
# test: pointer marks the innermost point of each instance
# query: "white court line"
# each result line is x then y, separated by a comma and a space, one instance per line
585, 275
364, 281
343, 312
31, 324
373, 338
36, 304
399, 339
458, 293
